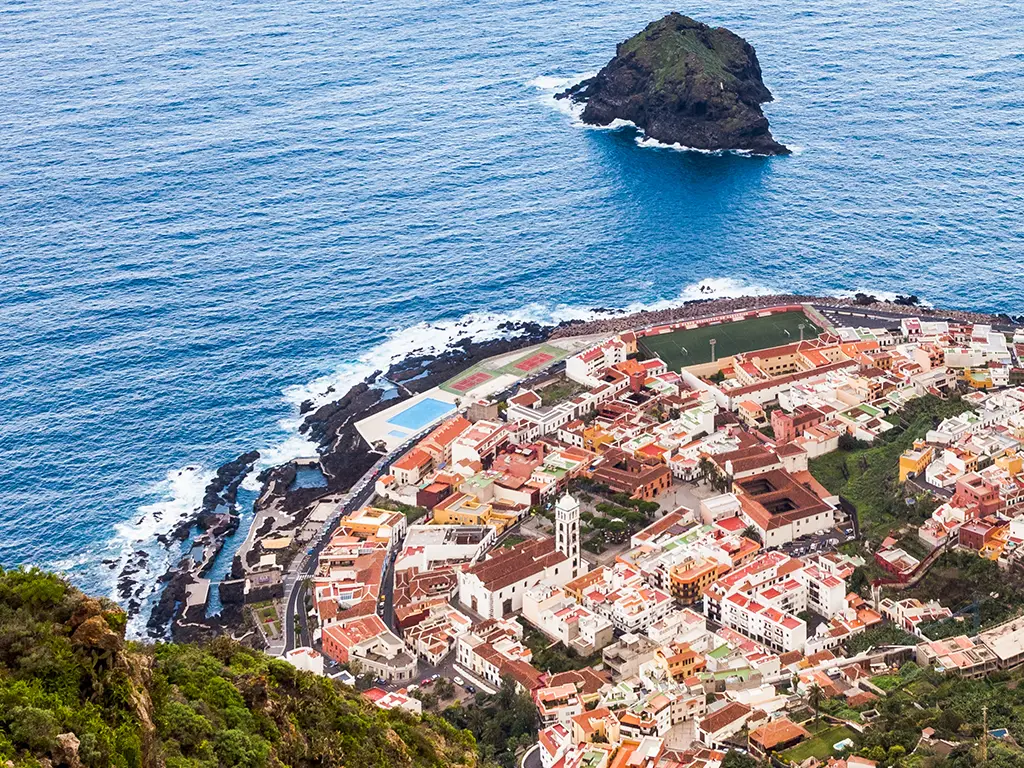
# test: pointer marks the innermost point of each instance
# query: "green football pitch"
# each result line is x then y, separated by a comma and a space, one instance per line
691, 347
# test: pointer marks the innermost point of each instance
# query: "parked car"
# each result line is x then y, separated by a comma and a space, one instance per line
412, 688
470, 689
459, 680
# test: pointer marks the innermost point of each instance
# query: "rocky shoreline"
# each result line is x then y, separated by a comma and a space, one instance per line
344, 457
697, 308
215, 519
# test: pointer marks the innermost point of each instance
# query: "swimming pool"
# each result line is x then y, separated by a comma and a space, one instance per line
420, 414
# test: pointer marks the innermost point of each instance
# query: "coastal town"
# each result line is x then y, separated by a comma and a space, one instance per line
717, 537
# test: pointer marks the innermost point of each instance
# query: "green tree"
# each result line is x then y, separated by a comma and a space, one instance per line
750, 532
815, 696
734, 759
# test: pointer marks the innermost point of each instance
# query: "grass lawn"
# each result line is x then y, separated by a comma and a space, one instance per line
512, 540
561, 390
692, 347
819, 746
887, 682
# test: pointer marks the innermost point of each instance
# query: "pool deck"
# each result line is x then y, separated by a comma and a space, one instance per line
378, 427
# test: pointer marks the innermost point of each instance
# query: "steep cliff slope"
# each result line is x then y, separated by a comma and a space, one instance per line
74, 693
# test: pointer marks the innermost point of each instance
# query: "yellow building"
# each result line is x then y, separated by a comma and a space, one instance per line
596, 439
681, 661
466, 509
978, 378
1011, 463
916, 459
690, 578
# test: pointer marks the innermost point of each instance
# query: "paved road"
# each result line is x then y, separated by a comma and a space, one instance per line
925, 487
532, 757
294, 602
358, 496
386, 609
880, 318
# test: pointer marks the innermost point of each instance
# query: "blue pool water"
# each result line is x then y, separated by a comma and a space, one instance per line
212, 211
420, 414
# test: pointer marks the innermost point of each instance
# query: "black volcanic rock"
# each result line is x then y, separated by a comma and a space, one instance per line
683, 82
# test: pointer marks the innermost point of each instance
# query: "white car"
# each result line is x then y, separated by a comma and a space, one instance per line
412, 688
458, 680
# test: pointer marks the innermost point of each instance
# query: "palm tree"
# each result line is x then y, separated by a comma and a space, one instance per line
814, 697
750, 532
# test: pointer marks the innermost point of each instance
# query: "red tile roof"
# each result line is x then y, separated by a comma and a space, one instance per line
517, 563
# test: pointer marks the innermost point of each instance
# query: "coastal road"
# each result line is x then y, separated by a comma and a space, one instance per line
294, 592
879, 318
357, 496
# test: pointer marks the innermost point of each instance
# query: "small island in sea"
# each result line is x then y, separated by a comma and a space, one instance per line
682, 82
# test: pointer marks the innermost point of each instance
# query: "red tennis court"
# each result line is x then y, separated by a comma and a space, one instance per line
473, 380
534, 361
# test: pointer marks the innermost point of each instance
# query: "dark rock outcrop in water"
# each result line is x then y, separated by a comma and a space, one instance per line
683, 82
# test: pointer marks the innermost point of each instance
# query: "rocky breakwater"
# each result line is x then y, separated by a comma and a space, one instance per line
215, 519
683, 82
701, 308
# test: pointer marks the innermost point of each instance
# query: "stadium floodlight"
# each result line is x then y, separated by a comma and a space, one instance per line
713, 342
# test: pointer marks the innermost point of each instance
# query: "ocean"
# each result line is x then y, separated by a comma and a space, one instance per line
212, 211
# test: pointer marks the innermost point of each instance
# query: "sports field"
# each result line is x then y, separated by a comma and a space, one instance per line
691, 347
524, 364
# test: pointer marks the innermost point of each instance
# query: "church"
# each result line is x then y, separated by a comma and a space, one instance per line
493, 588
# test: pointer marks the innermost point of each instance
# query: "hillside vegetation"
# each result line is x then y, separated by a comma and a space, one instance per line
869, 475
74, 693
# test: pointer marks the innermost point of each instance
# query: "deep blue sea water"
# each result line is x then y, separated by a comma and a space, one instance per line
210, 210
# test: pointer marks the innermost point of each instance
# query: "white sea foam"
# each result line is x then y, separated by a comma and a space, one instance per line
548, 83
880, 295
551, 86
178, 496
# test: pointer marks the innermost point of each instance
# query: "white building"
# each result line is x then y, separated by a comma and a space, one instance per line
761, 599
563, 619
307, 659
427, 547
583, 366
567, 529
